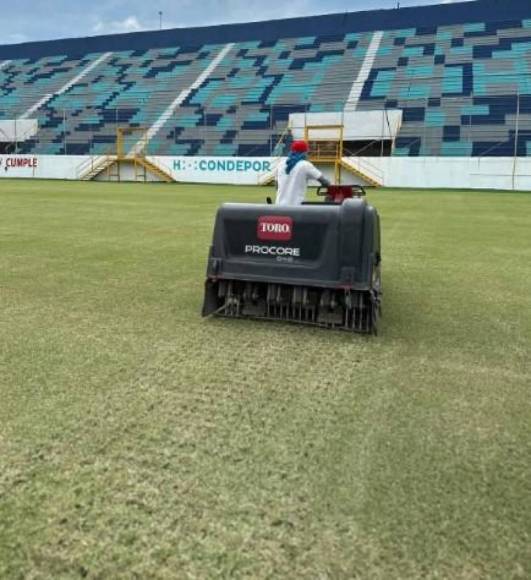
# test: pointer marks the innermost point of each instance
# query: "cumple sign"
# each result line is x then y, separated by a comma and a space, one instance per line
40, 166
18, 162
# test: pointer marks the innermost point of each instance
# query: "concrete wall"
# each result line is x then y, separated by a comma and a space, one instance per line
442, 172
456, 172
125, 171
40, 166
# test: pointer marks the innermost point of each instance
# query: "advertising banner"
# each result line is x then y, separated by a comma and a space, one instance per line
40, 166
452, 172
229, 170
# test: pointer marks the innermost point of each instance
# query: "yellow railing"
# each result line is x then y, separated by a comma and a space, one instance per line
326, 145
364, 169
93, 163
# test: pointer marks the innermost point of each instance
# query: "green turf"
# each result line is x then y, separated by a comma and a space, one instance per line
139, 440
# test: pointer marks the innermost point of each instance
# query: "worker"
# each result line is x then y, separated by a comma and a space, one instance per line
293, 175
288, 141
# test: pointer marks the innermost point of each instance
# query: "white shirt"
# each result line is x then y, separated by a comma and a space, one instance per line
292, 188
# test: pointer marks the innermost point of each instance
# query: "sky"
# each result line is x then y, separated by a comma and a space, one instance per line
28, 20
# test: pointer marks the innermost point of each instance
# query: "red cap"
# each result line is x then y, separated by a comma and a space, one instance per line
299, 147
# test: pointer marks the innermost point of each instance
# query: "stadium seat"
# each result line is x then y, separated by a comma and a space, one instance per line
459, 86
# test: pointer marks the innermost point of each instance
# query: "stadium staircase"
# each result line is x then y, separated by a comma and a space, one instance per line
367, 172
362, 168
94, 166
330, 151
111, 165
151, 167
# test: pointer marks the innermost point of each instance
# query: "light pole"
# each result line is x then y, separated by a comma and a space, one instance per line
160, 19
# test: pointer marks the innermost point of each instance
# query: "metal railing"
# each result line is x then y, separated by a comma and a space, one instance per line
92, 164
366, 167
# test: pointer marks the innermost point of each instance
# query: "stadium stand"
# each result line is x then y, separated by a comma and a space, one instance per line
462, 79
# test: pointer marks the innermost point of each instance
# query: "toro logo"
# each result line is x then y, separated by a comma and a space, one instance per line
274, 227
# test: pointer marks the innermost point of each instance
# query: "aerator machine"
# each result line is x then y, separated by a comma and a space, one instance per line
318, 263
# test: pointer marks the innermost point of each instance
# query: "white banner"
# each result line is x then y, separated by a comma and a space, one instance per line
357, 126
503, 173
40, 166
229, 170
17, 130
423, 172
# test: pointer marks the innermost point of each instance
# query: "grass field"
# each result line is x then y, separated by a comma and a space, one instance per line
139, 440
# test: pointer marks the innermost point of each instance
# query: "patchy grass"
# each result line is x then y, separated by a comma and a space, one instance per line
137, 439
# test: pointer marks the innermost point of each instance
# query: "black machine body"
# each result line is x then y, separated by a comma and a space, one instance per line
317, 263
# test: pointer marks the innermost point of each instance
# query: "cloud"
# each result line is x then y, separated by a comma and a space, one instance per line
211, 12
128, 24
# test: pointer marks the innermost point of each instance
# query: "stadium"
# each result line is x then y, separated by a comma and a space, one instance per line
139, 439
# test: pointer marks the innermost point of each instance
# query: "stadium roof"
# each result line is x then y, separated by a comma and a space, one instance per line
325, 25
